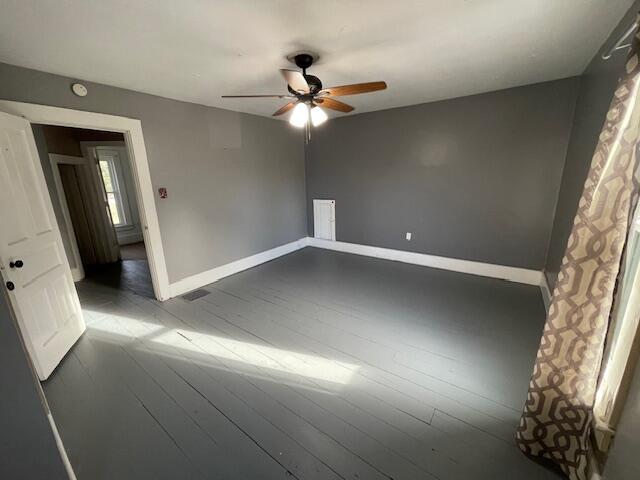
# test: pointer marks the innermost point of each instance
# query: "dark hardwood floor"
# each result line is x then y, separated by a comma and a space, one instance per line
318, 365
131, 273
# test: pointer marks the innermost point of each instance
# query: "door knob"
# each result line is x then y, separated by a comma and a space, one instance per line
16, 264
10, 286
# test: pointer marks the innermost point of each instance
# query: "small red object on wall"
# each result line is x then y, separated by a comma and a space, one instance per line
163, 192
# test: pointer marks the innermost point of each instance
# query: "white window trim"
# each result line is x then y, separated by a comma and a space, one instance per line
117, 179
88, 151
620, 357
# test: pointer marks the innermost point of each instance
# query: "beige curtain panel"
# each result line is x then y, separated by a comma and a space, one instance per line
558, 412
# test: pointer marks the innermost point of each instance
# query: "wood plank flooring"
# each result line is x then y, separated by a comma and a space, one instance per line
318, 365
131, 273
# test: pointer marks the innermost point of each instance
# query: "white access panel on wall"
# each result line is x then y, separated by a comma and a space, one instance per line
324, 219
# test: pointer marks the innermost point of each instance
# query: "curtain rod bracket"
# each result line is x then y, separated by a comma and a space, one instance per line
619, 45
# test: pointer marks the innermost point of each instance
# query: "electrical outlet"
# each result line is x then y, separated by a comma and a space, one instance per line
408, 235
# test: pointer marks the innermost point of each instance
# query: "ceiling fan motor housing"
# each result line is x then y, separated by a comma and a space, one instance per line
304, 61
315, 85
308, 91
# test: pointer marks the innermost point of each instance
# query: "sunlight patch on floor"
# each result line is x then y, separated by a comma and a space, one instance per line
262, 356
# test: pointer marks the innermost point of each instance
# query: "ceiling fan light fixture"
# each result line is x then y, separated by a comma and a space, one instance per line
318, 116
300, 115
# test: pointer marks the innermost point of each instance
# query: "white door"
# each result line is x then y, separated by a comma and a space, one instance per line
33, 263
324, 219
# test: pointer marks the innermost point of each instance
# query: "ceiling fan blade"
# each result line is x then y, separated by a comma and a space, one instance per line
334, 104
353, 89
284, 109
256, 96
295, 80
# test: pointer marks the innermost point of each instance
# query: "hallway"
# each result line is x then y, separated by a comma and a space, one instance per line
131, 273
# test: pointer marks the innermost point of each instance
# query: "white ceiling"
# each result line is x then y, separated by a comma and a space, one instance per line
197, 50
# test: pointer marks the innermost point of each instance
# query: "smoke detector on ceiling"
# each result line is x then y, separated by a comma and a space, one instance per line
79, 89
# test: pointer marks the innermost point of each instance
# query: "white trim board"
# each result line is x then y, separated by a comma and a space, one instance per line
512, 274
134, 140
61, 449
546, 292
205, 278
55, 160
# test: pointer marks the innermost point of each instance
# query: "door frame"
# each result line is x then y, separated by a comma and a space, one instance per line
56, 159
134, 142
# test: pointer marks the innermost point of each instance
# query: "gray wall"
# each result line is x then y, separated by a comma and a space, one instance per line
474, 178
27, 446
235, 181
597, 85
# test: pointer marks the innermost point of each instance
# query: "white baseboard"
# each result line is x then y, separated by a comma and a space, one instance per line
77, 274
512, 274
546, 292
61, 449
129, 238
205, 278
129, 234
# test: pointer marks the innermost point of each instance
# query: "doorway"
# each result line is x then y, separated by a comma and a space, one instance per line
131, 129
33, 260
89, 177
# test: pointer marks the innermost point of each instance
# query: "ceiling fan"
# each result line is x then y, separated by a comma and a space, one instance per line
308, 98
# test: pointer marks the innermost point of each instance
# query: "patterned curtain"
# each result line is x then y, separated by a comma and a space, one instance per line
558, 411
